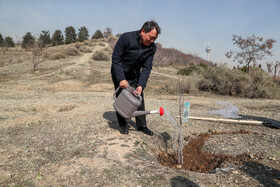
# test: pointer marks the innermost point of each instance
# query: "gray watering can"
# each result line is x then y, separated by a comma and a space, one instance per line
128, 101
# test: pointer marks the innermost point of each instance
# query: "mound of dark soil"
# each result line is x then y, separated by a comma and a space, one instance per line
196, 159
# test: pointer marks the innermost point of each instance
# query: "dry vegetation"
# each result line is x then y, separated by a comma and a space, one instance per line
170, 56
58, 126
221, 80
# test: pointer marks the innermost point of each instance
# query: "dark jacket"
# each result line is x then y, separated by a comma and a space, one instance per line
132, 60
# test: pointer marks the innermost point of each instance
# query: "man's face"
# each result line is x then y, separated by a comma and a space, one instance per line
149, 37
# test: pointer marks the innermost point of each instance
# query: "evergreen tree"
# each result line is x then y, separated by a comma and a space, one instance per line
98, 34
83, 34
45, 38
57, 38
28, 40
1, 40
9, 42
70, 35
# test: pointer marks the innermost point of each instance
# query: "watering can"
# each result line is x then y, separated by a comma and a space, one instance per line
128, 101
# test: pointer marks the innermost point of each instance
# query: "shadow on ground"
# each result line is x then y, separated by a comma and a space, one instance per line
264, 174
182, 182
266, 121
113, 122
166, 137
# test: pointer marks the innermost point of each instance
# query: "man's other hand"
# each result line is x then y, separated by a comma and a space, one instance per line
123, 83
139, 89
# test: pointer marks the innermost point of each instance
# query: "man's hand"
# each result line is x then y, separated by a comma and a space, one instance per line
123, 83
139, 89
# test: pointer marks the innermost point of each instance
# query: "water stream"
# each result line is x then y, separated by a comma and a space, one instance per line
177, 137
227, 110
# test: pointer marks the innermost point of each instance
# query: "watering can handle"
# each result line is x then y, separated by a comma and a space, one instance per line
128, 87
114, 96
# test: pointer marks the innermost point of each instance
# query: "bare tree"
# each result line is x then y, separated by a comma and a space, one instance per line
36, 52
107, 32
273, 68
252, 49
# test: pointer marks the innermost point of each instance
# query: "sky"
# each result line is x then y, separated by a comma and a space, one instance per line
187, 25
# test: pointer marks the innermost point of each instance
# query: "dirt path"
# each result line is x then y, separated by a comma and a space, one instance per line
165, 75
58, 128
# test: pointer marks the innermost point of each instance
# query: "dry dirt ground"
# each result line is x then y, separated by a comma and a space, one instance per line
58, 128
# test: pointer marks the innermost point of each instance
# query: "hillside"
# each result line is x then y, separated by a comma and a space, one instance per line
58, 128
171, 56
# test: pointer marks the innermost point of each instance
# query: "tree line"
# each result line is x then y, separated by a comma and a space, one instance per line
252, 48
57, 38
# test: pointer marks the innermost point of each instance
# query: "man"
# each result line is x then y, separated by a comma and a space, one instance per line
132, 62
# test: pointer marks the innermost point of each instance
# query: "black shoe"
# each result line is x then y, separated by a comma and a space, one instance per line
123, 130
145, 130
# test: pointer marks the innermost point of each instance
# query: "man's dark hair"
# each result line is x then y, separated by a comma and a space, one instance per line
150, 25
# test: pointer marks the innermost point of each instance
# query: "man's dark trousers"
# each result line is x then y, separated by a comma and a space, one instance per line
140, 120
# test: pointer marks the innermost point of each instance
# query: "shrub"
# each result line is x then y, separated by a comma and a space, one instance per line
90, 43
188, 85
100, 56
108, 49
188, 70
84, 49
78, 45
57, 56
192, 68
101, 44
221, 80
255, 84
72, 51
1, 40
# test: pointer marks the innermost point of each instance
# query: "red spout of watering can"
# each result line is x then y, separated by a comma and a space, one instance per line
160, 111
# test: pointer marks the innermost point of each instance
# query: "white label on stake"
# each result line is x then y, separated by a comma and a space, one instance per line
186, 111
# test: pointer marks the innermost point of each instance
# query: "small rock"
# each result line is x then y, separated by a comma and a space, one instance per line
235, 172
271, 158
179, 166
251, 156
226, 169
245, 178
9, 175
212, 131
